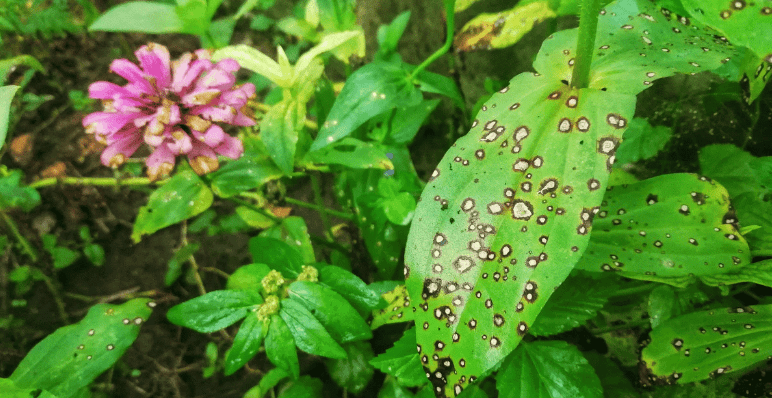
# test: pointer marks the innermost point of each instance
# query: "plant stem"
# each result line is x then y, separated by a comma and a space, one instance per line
96, 181
57, 300
19, 237
339, 214
192, 260
585, 44
450, 18
320, 204
635, 290
264, 212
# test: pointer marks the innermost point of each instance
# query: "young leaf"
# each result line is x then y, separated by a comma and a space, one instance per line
267, 382
310, 335
214, 311
140, 16
642, 141
210, 360
547, 369
576, 300
6, 97
280, 347
15, 194
354, 372
398, 310
294, 232
246, 343
348, 285
303, 387
386, 86
401, 361
183, 197
707, 344
73, 356
244, 174
248, 277
174, 267
673, 227
389, 35
351, 153
279, 131
731, 166
338, 316
493, 226
277, 255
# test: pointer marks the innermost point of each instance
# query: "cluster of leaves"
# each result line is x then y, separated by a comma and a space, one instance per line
45, 17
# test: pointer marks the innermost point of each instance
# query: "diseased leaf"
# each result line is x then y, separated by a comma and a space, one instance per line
73, 356
673, 228
642, 141
401, 361
502, 222
547, 369
502, 29
709, 343
398, 310
183, 197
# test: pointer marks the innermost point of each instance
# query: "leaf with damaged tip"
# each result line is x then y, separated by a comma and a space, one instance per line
488, 31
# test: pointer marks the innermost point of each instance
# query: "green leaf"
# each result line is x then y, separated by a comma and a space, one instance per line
547, 369
73, 356
180, 257
246, 343
183, 197
267, 382
384, 86
279, 131
214, 311
193, 14
708, 343
140, 16
718, 388
337, 316
391, 389
502, 29
94, 253
521, 187
352, 153
277, 255
294, 232
210, 355
6, 97
348, 285
244, 174
352, 373
388, 36
63, 257
280, 347
430, 82
402, 362
758, 272
10, 390
310, 335
248, 277
578, 299
404, 123
730, 166
642, 141
336, 15
8, 65
615, 383
13, 194
673, 227
625, 29
753, 211
398, 309
304, 387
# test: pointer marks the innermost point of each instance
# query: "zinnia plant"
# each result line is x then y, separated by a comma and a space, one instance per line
173, 107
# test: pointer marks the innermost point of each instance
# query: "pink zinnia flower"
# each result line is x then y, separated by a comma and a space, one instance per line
172, 107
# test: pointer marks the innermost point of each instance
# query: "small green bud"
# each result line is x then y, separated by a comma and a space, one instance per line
268, 308
272, 282
309, 274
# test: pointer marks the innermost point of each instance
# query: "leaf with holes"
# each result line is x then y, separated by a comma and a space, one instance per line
670, 228
73, 356
637, 43
504, 218
707, 344
398, 310
745, 23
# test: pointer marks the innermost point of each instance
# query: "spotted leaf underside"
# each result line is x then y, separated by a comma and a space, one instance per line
743, 22
503, 219
671, 228
707, 344
637, 43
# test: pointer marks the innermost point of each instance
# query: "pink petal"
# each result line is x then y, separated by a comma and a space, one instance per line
238, 97
181, 142
202, 159
230, 147
228, 65
179, 69
212, 137
107, 90
218, 79
215, 113
116, 153
200, 97
154, 59
106, 123
194, 71
131, 72
160, 162
242, 120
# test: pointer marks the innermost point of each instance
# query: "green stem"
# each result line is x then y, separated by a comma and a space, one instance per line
22, 241
339, 214
585, 44
320, 204
96, 181
264, 212
450, 18
57, 299
634, 290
